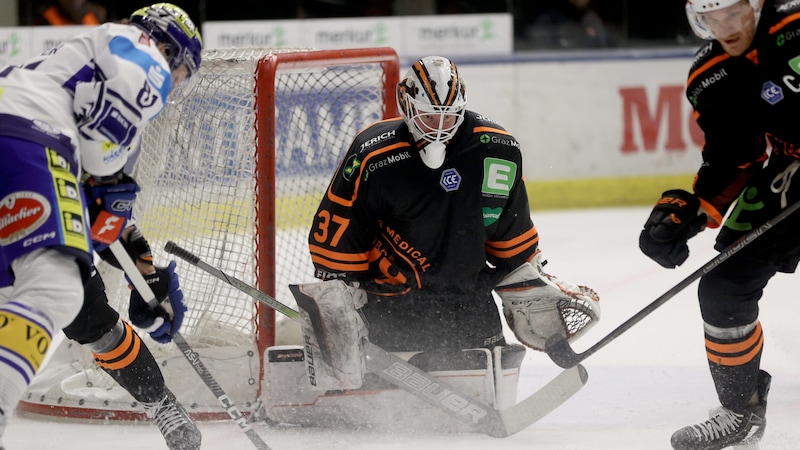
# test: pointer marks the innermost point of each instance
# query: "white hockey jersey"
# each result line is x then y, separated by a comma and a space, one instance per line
89, 98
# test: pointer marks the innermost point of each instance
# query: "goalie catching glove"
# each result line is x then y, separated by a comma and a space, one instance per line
538, 305
165, 319
333, 333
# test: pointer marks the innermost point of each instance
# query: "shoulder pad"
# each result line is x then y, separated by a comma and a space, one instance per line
473, 119
709, 50
484, 119
787, 6
378, 135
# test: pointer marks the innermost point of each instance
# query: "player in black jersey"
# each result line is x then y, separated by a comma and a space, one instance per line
425, 217
744, 86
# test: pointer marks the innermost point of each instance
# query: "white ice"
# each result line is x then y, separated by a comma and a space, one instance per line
642, 386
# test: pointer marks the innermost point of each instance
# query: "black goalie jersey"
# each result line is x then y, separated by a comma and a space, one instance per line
399, 227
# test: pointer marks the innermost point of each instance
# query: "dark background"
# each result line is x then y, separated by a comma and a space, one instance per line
628, 22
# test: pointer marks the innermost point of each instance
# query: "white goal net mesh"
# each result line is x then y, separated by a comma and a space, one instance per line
233, 173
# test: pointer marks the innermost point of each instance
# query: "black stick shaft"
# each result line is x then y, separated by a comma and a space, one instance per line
562, 354
195, 260
191, 356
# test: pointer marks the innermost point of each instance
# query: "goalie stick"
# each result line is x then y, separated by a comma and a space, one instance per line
389, 367
559, 350
191, 356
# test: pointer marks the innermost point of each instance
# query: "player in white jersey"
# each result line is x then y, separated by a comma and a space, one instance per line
76, 114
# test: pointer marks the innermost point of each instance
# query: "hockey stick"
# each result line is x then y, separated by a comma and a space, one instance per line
191, 356
389, 367
564, 356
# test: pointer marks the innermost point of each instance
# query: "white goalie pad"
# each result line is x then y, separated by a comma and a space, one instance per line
490, 376
537, 305
332, 333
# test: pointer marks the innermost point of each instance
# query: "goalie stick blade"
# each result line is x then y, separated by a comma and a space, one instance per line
483, 418
559, 350
436, 392
545, 400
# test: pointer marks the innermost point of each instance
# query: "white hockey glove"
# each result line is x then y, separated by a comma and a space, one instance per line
538, 305
333, 333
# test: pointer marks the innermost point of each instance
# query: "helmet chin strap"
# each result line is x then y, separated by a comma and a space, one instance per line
433, 154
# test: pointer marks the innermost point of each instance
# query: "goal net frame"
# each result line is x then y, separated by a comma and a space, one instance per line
70, 385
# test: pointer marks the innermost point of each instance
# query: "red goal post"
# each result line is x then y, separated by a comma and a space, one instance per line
233, 173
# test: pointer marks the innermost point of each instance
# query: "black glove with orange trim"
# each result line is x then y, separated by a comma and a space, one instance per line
675, 219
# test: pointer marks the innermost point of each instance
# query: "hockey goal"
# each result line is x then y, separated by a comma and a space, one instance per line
234, 174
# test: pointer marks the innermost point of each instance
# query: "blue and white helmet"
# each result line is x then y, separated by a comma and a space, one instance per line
170, 25
695, 9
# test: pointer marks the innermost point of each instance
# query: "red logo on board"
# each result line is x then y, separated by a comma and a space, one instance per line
21, 213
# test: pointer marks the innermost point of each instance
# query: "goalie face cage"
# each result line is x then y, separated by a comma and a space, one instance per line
233, 173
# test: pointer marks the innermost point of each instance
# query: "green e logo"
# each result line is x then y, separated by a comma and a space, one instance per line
498, 176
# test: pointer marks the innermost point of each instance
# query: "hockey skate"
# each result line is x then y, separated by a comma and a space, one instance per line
178, 428
726, 428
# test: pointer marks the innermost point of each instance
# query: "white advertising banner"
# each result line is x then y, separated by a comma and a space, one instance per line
592, 118
20, 43
473, 35
601, 115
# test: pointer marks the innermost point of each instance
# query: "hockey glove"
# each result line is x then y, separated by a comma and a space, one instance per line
675, 219
116, 199
537, 305
166, 318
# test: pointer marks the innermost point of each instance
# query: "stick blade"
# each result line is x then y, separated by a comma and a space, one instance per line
559, 350
545, 400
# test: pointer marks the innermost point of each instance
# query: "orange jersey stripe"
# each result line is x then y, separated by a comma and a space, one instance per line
783, 22
531, 233
490, 130
344, 262
337, 266
338, 256
706, 67
513, 247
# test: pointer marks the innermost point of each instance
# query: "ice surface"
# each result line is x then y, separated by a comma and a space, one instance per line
642, 386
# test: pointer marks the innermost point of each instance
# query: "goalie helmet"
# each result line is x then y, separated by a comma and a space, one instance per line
696, 8
431, 99
170, 25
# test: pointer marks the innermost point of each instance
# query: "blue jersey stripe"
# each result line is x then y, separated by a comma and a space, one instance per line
125, 49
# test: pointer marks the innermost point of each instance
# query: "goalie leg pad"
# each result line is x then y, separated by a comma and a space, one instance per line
538, 305
378, 405
469, 370
332, 333
285, 380
507, 360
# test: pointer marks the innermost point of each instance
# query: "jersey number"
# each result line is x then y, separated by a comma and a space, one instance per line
323, 228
